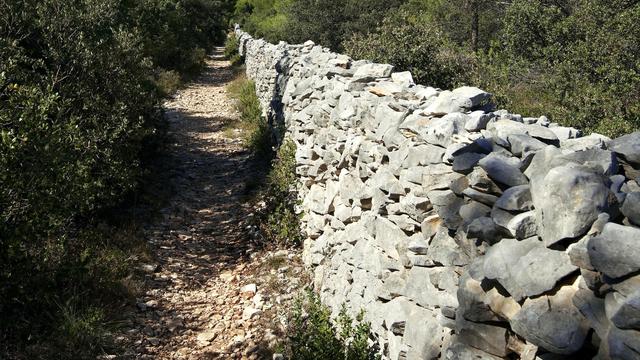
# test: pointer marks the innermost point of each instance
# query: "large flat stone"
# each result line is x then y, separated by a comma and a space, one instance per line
622, 306
503, 169
526, 268
569, 200
631, 207
517, 198
552, 322
628, 146
616, 252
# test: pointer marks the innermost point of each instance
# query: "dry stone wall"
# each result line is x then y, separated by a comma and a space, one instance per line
462, 231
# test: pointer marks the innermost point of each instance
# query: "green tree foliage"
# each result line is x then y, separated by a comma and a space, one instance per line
405, 40
264, 18
577, 61
330, 22
473, 24
176, 33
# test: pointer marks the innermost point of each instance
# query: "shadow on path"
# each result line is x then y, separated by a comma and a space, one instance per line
201, 236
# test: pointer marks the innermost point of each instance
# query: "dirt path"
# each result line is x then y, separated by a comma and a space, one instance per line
213, 294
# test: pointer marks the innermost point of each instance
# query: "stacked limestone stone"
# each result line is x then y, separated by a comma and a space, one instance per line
462, 231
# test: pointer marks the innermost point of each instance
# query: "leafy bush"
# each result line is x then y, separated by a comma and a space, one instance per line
333, 21
409, 43
177, 33
263, 18
577, 62
168, 82
79, 120
312, 335
256, 130
231, 50
283, 223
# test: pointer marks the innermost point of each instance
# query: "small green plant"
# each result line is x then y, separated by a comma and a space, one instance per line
168, 82
256, 130
283, 224
312, 334
82, 330
231, 50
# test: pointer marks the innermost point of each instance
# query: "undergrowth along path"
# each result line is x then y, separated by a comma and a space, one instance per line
214, 293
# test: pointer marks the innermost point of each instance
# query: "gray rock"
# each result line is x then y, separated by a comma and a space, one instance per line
423, 334
483, 229
501, 217
543, 161
579, 254
478, 121
628, 146
622, 306
369, 72
622, 344
440, 131
403, 77
523, 225
616, 252
593, 141
388, 119
603, 159
464, 163
526, 268
447, 205
419, 288
565, 133
552, 322
444, 250
523, 143
503, 256
488, 338
479, 180
425, 93
424, 155
460, 351
476, 195
474, 210
570, 199
502, 129
458, 100
476, 304
417, 207
517, 198
631, 207
503, 170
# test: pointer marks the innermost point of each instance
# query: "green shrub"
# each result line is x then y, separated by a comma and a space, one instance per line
79, 119
282, 223
231, 50
168, 82
407, 42
312, 335
263, 18
578, 63
256, 130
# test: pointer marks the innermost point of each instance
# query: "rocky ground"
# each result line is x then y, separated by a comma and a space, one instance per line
215, 292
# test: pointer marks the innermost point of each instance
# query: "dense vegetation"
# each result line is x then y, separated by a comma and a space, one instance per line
576, 61
312, 333
80, 88
278, 220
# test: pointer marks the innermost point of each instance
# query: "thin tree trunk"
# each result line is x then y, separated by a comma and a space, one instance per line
475, 24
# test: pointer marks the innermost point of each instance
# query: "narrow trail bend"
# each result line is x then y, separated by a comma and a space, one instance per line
213, 294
